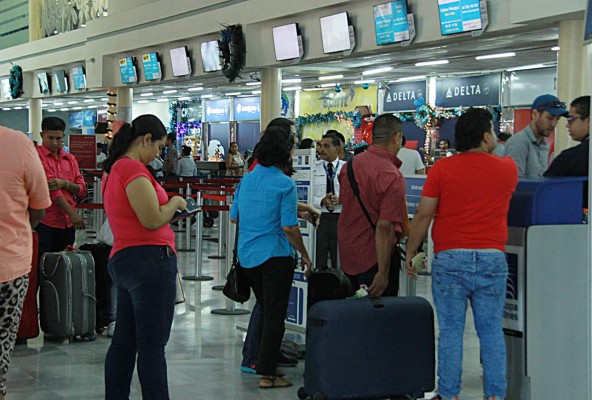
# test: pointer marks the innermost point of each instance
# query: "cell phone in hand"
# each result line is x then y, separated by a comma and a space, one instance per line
191, 209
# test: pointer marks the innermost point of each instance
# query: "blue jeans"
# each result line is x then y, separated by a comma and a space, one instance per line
145, 278
479, 276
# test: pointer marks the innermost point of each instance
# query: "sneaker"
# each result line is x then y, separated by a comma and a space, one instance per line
285, 361
111, 329
249, 369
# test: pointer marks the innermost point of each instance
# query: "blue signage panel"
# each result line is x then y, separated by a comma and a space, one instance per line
151, 67
413, 189
76, 119
588, 26
459, 16
401, 96
89, 118
390, 20
217, 110
128, 70
78, 78
247, 108
478, 90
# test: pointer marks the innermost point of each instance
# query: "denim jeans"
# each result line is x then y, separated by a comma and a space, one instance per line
271, 283
478, 276
145, 278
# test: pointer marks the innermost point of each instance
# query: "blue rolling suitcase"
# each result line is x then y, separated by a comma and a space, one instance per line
369, 349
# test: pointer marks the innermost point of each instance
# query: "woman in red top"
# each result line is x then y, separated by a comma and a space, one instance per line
143, 264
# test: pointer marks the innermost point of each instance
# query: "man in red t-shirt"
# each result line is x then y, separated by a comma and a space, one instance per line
468, 197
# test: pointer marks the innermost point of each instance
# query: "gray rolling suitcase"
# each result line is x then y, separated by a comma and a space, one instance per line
67, 294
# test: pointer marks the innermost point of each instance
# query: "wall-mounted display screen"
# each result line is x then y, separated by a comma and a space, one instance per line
390, 21
128, 70
78, 78
75, 120
588, 26
335, 33
43, 82
459, 16
61, 81
152, 71
210, 56
180, 61
285, 42
6, 89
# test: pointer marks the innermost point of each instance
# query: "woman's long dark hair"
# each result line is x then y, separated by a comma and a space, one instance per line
126, 135
274, 148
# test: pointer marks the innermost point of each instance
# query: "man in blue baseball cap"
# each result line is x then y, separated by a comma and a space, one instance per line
528, 148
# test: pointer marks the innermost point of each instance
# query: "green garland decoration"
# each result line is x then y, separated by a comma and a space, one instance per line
331, 116
16, 82
233, 51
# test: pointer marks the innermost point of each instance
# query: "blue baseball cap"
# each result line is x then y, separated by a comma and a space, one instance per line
551, 104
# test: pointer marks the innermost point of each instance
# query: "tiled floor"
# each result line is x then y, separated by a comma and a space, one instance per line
203, 354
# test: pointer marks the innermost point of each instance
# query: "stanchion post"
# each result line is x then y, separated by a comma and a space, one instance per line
188, 223
197, 276
223, 219
230, 306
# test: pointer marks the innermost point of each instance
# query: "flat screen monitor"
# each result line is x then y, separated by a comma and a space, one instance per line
128, 70
335, 33
78, 78
61, 81
588, 26
459, 16
6, 89
390, 22
285, 42
152, 71
180, 61
210, 56
43, 82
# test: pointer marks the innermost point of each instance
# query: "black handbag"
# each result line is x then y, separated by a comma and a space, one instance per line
237, 286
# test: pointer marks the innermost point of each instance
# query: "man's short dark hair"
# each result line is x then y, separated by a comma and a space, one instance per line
53, 124
582, 106
470, 128
306, 143
274, 148
335, 140
172, 137
100, 146
445, 141
336, 133
385, 127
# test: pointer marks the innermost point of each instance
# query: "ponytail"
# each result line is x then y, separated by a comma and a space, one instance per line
126, 135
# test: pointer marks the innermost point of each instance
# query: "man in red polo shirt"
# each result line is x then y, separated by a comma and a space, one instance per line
56, 230
367, 253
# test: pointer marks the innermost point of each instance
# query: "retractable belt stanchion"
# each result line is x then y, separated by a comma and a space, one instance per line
198, 242
230, 306
188, 222
223, 221
224, 267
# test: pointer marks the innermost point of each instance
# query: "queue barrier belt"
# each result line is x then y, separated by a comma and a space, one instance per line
90, 206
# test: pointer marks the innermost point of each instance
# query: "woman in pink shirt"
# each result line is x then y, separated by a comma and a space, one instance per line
143, 263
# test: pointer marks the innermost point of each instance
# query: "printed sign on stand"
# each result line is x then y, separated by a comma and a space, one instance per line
84, 148
470, 91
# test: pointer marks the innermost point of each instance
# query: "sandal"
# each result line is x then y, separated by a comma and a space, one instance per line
271, 382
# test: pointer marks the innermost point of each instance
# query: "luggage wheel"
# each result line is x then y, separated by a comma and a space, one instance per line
208, 222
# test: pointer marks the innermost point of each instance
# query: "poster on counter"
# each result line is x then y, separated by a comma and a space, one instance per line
84, 148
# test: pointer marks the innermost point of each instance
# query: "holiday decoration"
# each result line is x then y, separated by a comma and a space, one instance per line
352, 117
16, 82
232, 51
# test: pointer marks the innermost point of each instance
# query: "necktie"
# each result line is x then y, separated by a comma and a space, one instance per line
330, 176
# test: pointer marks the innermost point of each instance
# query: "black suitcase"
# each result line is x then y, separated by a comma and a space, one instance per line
329, 284
369, 349
103, 282
67, 294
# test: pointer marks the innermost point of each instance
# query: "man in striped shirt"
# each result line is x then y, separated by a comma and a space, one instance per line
367, 248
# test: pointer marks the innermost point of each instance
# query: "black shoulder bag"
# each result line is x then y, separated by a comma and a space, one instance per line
237, 285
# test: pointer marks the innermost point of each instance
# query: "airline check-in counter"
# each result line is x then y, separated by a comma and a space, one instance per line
547, 308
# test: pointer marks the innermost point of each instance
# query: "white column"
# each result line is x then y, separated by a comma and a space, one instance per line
572, 73
35, 116
271, 95
125, 97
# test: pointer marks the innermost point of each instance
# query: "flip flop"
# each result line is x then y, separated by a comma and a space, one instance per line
276, 382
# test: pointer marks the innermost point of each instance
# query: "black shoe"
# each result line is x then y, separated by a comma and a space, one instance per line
285, 361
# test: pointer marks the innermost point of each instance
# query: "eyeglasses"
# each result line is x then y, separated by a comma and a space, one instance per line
552, 104
571, 118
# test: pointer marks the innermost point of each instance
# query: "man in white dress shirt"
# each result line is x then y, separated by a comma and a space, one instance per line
326, 197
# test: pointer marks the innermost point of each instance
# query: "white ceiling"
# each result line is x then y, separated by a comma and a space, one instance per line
530, 48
